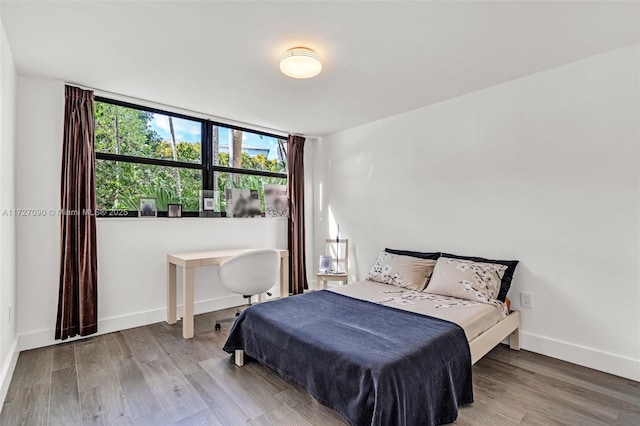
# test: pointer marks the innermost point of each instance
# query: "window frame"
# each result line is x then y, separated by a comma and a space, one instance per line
206, 165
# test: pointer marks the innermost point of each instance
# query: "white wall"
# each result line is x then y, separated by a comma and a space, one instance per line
131, 252
544, 169
8, 84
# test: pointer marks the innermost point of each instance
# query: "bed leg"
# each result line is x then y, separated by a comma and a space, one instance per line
238, 357
514, 339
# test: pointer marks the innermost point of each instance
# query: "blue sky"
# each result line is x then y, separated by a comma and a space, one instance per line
190, 131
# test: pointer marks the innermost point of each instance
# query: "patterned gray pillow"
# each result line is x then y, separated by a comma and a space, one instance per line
403, 271
465, 279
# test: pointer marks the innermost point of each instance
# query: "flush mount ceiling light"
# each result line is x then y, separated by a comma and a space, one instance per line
300, 62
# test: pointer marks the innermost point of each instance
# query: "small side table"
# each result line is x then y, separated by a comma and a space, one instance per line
322, 279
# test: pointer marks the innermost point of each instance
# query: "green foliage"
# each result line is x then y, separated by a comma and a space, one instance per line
187, 151
257, 162
223, 159
119, 185
141, 180
126, 131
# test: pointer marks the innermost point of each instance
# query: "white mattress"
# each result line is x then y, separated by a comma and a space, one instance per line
474, 317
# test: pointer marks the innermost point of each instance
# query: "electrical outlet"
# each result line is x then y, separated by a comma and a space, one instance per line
10, 313
526, 300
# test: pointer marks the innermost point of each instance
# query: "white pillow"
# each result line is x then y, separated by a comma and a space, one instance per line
403, 271
465, 279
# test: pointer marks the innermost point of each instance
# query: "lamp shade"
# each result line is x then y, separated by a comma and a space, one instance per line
300, 62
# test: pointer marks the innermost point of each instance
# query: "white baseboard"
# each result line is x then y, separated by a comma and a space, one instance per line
8, 366
588, 357
38, 339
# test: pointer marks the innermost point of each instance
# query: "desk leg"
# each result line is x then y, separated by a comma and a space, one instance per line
262, 297
284, 276
171, 293
187, 303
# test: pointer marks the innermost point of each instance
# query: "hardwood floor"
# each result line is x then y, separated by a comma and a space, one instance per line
152, 376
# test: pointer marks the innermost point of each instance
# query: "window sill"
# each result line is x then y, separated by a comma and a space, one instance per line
164, 219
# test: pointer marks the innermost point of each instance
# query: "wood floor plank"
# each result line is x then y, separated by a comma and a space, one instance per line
160, 417
28, 406
139, 399
626, 390
143, 344
248, 390
282, 415
93, 365
32, 368
205, 417
544, 388
477, 415
185, 353
118, 348
63, 356
628, 418
217, 399
171, 389
496, 397
310, 409
64, 402
104, 405
273, 382
93, 412
550, 413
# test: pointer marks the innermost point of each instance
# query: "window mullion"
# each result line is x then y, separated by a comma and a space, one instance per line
207, 158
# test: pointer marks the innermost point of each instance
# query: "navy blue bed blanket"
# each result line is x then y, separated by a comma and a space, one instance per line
374, 364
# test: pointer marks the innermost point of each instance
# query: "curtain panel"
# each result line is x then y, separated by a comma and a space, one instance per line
297, 255
78, 291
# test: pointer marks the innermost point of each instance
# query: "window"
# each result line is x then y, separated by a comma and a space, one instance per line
144, 152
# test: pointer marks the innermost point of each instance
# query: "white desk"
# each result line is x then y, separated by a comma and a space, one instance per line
188, 262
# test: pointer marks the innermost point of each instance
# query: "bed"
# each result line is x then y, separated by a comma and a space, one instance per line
484, 325
375, 353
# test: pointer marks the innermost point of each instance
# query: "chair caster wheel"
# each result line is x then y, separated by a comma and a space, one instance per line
218, 327
237, 314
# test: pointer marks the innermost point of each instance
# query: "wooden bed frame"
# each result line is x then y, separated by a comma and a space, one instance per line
509, 326
480, 346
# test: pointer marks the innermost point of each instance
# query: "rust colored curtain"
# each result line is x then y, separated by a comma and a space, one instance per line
297, 255
78, 293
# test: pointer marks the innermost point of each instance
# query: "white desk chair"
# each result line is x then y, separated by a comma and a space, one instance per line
249, 274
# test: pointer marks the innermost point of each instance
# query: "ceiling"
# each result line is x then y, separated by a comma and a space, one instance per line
380, 58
